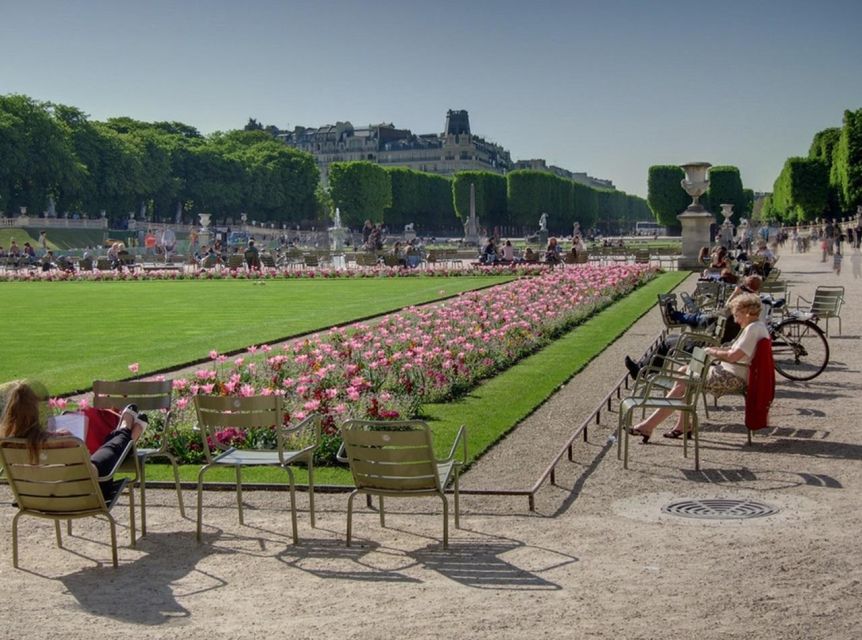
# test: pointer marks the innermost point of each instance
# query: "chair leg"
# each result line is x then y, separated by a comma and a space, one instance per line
177, 483
57, 533
696, 428
113, 540
349, 516
132, 516
445, 520
140, 464
311, 492
239, 492
200, 501
748, 433
457, 502
69, 527
293, 524
382, 512
15, 539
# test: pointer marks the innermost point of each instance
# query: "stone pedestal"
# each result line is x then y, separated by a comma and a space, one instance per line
695, 223
542, 238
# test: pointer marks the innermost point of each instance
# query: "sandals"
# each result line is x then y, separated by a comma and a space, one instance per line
637, 432
676, 434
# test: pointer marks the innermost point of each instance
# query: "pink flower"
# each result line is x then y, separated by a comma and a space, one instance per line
83, 404
207, 388
246, 391
213, 354
134, 367
182, 403
311, 405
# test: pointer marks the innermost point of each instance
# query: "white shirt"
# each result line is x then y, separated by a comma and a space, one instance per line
746, 341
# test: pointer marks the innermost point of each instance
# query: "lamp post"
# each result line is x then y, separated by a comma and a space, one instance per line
695, 220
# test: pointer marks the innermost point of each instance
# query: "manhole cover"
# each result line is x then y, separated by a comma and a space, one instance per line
720, 509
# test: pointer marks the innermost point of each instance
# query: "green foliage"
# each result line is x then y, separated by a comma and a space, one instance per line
123, 164
824, 144
665, 195
801, 190
725, 187
585, 205
749, 201
361, 190
846, 172
491, 203
424, 199
532, 193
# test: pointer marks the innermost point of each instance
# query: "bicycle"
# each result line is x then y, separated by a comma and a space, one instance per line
800, 350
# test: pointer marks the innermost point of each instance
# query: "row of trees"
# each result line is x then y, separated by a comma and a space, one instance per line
826, 183
667, 199
364, 190
55, 154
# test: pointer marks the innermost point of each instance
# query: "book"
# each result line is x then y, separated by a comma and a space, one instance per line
74, 423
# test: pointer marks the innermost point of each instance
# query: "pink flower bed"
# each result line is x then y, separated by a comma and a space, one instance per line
420, 354
126, 275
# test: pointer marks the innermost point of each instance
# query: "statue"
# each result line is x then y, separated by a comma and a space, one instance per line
543, 222
408, 228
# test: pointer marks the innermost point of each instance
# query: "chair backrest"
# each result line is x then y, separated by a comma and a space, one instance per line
665, 299
775, 288
148, 395
827, 301
216, 413
267, 260
236, 261
391, 456
61, 482
311, 261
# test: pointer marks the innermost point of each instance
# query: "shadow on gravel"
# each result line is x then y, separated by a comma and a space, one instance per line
117, 594
365, 561
480, 565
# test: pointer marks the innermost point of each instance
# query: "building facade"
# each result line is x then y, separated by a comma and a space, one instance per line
456, 149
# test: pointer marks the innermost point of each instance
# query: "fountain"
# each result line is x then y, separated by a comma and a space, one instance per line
336, 241
695, 220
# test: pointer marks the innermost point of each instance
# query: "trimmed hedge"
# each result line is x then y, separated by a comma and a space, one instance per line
665, 195
491, 205
421, 198
362, 190
801, 190
725, 187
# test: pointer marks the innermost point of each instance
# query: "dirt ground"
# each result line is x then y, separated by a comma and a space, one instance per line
598, 558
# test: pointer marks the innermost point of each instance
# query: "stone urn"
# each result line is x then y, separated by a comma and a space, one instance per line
695, 220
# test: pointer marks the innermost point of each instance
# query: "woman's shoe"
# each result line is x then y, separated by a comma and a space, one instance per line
637, 432
675, 434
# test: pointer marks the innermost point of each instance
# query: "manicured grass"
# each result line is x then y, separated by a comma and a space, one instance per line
498, 405
68, 334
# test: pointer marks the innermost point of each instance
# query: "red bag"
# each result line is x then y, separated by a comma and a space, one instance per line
100, 422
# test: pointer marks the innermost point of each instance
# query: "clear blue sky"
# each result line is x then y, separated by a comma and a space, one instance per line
607, 87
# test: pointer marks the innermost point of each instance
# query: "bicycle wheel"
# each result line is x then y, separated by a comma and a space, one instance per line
800, 349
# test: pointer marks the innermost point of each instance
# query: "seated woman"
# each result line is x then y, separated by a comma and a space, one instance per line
728, 373
489, 253
508, 252
578, 246
22, 418
552, 253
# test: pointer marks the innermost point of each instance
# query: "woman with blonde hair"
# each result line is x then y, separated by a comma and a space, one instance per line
26, 414
729, 370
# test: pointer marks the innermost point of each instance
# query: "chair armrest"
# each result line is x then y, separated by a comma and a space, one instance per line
341, 454
460, 438
805, 300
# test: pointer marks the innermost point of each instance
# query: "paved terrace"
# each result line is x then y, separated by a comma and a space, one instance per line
597, 559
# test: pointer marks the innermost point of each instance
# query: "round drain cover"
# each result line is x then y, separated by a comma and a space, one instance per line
720, 509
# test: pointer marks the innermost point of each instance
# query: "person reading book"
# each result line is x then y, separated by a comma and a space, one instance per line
24, 416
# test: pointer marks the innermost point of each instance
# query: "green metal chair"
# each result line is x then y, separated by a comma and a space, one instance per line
295, 444
826, 304
396, 459
651, 396
150, 397
61, 485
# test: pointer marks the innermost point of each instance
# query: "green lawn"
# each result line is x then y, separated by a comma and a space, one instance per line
498, 405
69, 333
58, 239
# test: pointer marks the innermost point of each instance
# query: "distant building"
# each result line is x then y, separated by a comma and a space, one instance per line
456, 149
540, 165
